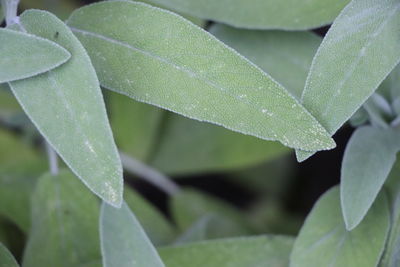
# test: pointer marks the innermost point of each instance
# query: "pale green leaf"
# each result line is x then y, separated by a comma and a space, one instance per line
156, 226
352, 61
169, 62
286, 56
368, 159
324, 240
6, 258
24, 55
235, 252
67, 107
123, 241
64, 230
262, 14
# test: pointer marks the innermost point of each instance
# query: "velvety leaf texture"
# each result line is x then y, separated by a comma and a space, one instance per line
123, 241
188, 71
64, 229
352, 61
67, 107
368, 159
235, 252
324, 240
25, 55
262, 14
6, 258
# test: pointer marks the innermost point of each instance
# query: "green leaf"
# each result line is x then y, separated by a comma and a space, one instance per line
6, 258
156, 226
324, 240
189, 206
265, 14
235, 252
25, 55
352, 61
67, 107
123, 241
286, 56
368, 159
180, 67
64, 230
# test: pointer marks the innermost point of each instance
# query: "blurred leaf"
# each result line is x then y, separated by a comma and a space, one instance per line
368, 159
123, 241
265, 14
6, 258
189, 206
286, 56
352, 61
67, 107
190, 72
235, 252
188, 146
8, 104
61, 8
324, 240
25, 55
64, 229
135, 125
156, 226
390, 87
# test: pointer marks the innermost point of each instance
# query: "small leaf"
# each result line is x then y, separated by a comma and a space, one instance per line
123, 241
25, 55
64, 230
6, 258
266, 14
234, 252
286, 56
67, 107
188, 71
352, 61
324, 240
368, 159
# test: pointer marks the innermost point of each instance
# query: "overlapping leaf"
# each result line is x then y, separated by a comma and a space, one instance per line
190, 72
6, 258
67, 107
24, 55
352, 61
265, 14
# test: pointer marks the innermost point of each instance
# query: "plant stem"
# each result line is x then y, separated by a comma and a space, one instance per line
149, 174
53, 159
10, 10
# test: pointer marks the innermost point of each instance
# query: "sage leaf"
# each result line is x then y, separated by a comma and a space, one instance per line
266, 14
188, 71
64, 230
352, 61
156, 226
25, 55
6, 258
286, 56
368, 159
67, 107
123, 241
234, 252
324, 240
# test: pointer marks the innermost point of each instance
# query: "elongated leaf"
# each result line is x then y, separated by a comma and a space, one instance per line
169, 62
123, 241
368, 159
25, 55
6, 258
352, 61
286, 56
324, 240
67, 107
64, 229
156, 226
265, 14
235, 252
